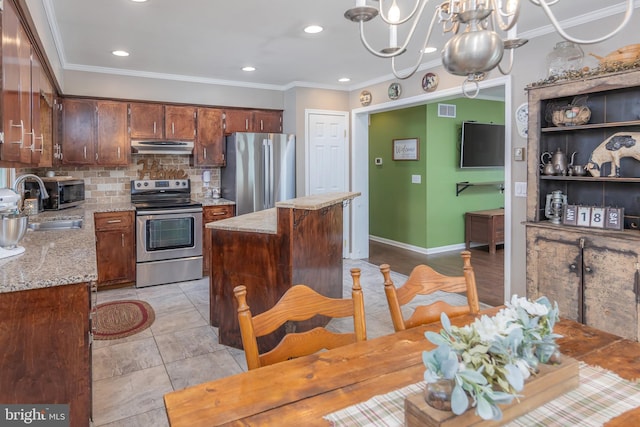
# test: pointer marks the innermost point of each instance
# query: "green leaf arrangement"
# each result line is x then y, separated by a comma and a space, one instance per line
490, 359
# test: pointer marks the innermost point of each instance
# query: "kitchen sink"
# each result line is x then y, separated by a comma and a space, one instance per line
58, 224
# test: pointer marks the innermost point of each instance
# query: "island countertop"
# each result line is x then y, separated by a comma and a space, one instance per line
56, 257
265, 221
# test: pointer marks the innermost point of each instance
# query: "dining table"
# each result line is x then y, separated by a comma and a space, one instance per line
301, 391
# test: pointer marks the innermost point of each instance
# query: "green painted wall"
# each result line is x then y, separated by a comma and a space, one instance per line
428, 215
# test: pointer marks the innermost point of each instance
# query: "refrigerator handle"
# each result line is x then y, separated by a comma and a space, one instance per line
270, 172
265, 173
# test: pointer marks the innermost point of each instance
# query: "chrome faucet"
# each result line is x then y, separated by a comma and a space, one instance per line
19, 180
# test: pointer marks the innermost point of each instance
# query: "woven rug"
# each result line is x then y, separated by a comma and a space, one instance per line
119, 319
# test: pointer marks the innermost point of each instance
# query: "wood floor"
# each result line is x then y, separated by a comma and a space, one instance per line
489, 269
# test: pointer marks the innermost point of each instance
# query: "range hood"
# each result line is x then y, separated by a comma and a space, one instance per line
183, 148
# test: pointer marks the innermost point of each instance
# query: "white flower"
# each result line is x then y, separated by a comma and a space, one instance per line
500, 325
532, 308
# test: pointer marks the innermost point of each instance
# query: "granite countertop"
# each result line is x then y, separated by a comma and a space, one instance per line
56, 257
266, 221
208, 201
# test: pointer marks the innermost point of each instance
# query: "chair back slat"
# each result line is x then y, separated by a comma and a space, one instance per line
424, 280
299, 303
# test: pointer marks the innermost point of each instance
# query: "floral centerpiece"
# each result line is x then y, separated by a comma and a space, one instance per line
486, 363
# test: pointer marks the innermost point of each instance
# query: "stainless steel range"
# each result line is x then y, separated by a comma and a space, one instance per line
168, 232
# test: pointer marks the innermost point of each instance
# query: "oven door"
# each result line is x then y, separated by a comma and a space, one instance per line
168, 234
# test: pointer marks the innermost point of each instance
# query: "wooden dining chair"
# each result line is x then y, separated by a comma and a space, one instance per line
424, 280
299, 303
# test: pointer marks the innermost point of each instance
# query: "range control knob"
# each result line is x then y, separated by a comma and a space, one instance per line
138, 184
146, 184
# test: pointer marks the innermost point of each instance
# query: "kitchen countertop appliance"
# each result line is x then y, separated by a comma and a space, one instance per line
168, 232
260, 171
14, 223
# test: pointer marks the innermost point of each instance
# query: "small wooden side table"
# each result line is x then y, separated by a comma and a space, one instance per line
485, 227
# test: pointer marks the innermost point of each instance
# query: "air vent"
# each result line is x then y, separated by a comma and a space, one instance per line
447, 110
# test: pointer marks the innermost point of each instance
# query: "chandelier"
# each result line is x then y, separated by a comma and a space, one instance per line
481, 31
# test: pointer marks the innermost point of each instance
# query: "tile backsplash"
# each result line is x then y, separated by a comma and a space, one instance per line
113, 184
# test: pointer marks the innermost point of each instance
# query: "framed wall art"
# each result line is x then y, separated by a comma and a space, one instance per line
406, 149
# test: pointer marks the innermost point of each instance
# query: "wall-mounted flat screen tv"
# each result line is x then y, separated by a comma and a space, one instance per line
482, 145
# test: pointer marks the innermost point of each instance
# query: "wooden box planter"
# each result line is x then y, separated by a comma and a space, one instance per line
551, 382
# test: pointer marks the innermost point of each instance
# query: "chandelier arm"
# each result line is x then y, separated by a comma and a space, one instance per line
545, 7
508, 70
402, 21
514, 16
419, 61
404, 45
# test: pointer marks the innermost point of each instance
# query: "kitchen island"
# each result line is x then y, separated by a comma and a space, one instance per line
300, 241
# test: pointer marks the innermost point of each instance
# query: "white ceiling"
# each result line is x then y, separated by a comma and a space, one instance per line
211, 40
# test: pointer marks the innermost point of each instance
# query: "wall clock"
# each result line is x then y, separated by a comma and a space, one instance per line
365, 98
522, 119
430, 82
394, 91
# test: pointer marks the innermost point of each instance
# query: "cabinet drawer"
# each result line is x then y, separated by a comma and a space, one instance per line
215, 213
113, 220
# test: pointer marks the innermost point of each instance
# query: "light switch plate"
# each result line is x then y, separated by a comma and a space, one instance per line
521, 189
378, 160
518, 154
416, 179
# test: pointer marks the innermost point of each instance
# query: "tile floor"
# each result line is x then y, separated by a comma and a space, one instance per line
180, 349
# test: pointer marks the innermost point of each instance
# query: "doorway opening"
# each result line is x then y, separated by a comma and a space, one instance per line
360, 165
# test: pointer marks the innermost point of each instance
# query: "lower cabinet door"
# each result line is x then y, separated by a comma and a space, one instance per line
610, 275
554, 270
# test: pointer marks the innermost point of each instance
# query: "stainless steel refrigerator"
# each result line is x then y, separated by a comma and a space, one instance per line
260, 171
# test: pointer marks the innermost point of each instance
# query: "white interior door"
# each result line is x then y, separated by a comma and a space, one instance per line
326, 157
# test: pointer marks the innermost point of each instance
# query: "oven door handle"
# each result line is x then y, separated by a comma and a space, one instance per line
169, 211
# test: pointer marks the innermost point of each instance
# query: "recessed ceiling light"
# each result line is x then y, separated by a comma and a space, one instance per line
139, 1
120, 53
249, 68
313, 29
344, 79
429, 49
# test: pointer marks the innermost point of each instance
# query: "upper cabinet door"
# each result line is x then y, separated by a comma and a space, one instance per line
13, 133
45, 100
209, 147
78, 131
147, 120
237, 121
268, 121
113, 145
180, 122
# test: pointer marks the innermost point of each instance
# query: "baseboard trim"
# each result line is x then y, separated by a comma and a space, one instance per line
421, 250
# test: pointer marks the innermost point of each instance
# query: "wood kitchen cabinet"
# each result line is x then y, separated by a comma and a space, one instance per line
146, 120
238, 120
46, 342
23, 141
112, 140
78, 131
46, 100
115, 248
158, 121
592, 273
94, 132
210, 143
210, 214
179, 122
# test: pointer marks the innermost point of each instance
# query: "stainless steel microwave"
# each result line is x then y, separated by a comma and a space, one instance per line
62, 193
